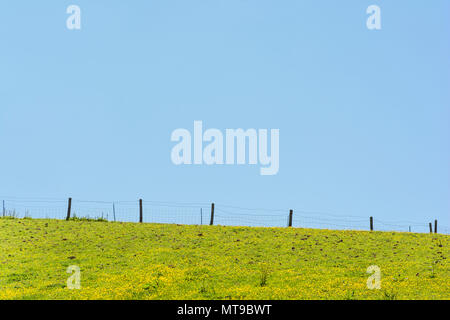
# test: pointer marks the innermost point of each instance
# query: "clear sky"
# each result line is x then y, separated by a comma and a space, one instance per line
363, 115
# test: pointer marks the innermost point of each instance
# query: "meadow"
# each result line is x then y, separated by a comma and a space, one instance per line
161, 261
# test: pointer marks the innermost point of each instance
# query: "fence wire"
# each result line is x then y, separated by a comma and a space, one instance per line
199, 214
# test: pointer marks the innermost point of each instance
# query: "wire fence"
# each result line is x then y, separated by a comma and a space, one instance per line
202, 213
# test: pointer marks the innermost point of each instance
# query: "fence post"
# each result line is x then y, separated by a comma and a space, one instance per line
141, 211
69, 208
431, 227
212, 214
290, 218
371, 223
114, 211
201, 216
4, 209
435, 226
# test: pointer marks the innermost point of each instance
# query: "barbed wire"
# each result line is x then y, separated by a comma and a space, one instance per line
197, 213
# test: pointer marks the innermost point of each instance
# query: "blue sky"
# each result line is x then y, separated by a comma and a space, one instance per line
363, 115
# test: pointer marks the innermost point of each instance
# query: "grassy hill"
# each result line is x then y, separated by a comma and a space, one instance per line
151, 261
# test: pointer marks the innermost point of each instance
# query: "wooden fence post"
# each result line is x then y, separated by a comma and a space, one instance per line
431, 227
141, 211
114, 211
4, 209
435, 226
371, 223
212, 215
290, 218
69, 208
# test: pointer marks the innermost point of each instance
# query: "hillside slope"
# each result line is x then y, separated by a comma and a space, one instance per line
150, 261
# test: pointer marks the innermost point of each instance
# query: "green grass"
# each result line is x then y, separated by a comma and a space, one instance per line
154, 261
